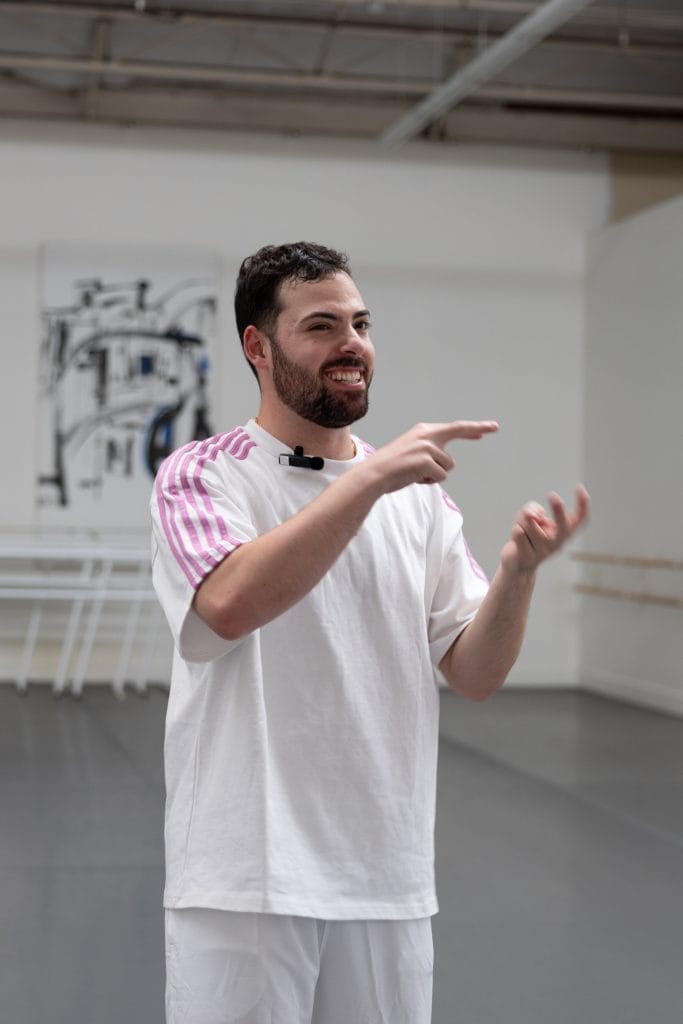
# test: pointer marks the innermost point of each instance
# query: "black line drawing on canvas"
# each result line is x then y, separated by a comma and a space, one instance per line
123, 381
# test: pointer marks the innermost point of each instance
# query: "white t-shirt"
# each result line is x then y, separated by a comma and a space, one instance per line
301, 759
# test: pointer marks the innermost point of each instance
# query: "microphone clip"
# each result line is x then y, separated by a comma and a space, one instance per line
300, 460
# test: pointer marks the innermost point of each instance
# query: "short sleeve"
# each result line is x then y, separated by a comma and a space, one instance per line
457, 582
198, 519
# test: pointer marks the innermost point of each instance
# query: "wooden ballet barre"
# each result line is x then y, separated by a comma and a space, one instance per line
637, 596
633, 561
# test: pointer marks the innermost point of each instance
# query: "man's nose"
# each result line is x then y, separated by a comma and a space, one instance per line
354, 341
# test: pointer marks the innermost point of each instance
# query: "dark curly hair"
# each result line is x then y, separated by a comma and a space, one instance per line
257, 293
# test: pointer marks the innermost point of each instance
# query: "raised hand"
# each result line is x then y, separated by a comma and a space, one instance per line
420, 457
535, 535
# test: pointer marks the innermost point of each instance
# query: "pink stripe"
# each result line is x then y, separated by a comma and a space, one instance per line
165, 480
186, 507
449, 501
208, 520
180, 490
238, 443
214, 446
244, 454
176, 475
166, 527
224, 442
474, 565
205, 519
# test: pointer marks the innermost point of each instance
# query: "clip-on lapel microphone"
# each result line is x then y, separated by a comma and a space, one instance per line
301, 460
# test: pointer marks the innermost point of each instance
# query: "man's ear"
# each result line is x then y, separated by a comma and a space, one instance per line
255, 346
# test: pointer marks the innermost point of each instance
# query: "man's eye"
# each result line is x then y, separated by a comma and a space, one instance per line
320, 327
363, 325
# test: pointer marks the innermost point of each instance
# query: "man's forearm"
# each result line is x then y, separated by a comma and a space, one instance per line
265, 577
478, 663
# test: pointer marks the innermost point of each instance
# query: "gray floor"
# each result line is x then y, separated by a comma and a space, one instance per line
559, 861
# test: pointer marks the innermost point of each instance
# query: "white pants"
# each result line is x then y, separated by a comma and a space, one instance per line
238, 968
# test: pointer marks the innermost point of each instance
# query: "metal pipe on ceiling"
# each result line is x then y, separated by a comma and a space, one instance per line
483, 68
520, 94
207, 74
445, 36
599, 16
159, 106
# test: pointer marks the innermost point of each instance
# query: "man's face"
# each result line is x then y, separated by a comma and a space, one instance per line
322, 356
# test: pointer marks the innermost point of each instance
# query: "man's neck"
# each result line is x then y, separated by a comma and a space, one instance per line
330, 443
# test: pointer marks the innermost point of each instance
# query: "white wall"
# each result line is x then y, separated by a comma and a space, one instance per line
471, 259
634, 452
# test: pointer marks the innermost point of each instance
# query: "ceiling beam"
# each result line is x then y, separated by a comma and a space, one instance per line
597, 15
558, 128
547, 96
611, 18
483, 68
394, 88
189, 108
205, 74
443, 37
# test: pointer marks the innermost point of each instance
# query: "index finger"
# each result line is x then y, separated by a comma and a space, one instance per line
582, 506
464, 430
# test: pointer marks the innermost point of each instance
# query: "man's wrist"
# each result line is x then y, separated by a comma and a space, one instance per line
518, 575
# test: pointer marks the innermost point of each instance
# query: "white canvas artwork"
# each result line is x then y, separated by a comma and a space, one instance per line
125, 358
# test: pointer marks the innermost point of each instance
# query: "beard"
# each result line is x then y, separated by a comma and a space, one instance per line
309, 395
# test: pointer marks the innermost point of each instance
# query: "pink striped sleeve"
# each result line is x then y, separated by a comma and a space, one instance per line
196, 531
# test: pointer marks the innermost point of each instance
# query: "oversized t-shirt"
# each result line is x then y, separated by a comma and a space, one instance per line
301, 758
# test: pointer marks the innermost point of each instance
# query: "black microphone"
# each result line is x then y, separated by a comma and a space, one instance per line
301, 460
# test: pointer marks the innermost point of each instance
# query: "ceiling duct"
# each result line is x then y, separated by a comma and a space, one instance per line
523, 37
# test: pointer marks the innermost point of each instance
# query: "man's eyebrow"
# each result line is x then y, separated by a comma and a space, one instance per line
326, 315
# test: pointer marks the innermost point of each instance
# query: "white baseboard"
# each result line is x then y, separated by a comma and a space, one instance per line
642, 692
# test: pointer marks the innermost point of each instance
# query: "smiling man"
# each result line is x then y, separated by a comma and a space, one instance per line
313, 585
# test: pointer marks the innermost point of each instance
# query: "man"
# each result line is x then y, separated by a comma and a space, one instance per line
312, 585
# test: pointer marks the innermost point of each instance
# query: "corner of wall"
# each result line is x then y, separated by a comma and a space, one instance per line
641, 180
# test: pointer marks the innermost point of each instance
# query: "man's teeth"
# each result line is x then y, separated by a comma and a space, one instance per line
351, 376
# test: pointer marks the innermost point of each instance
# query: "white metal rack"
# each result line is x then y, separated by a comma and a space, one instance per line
83, 576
